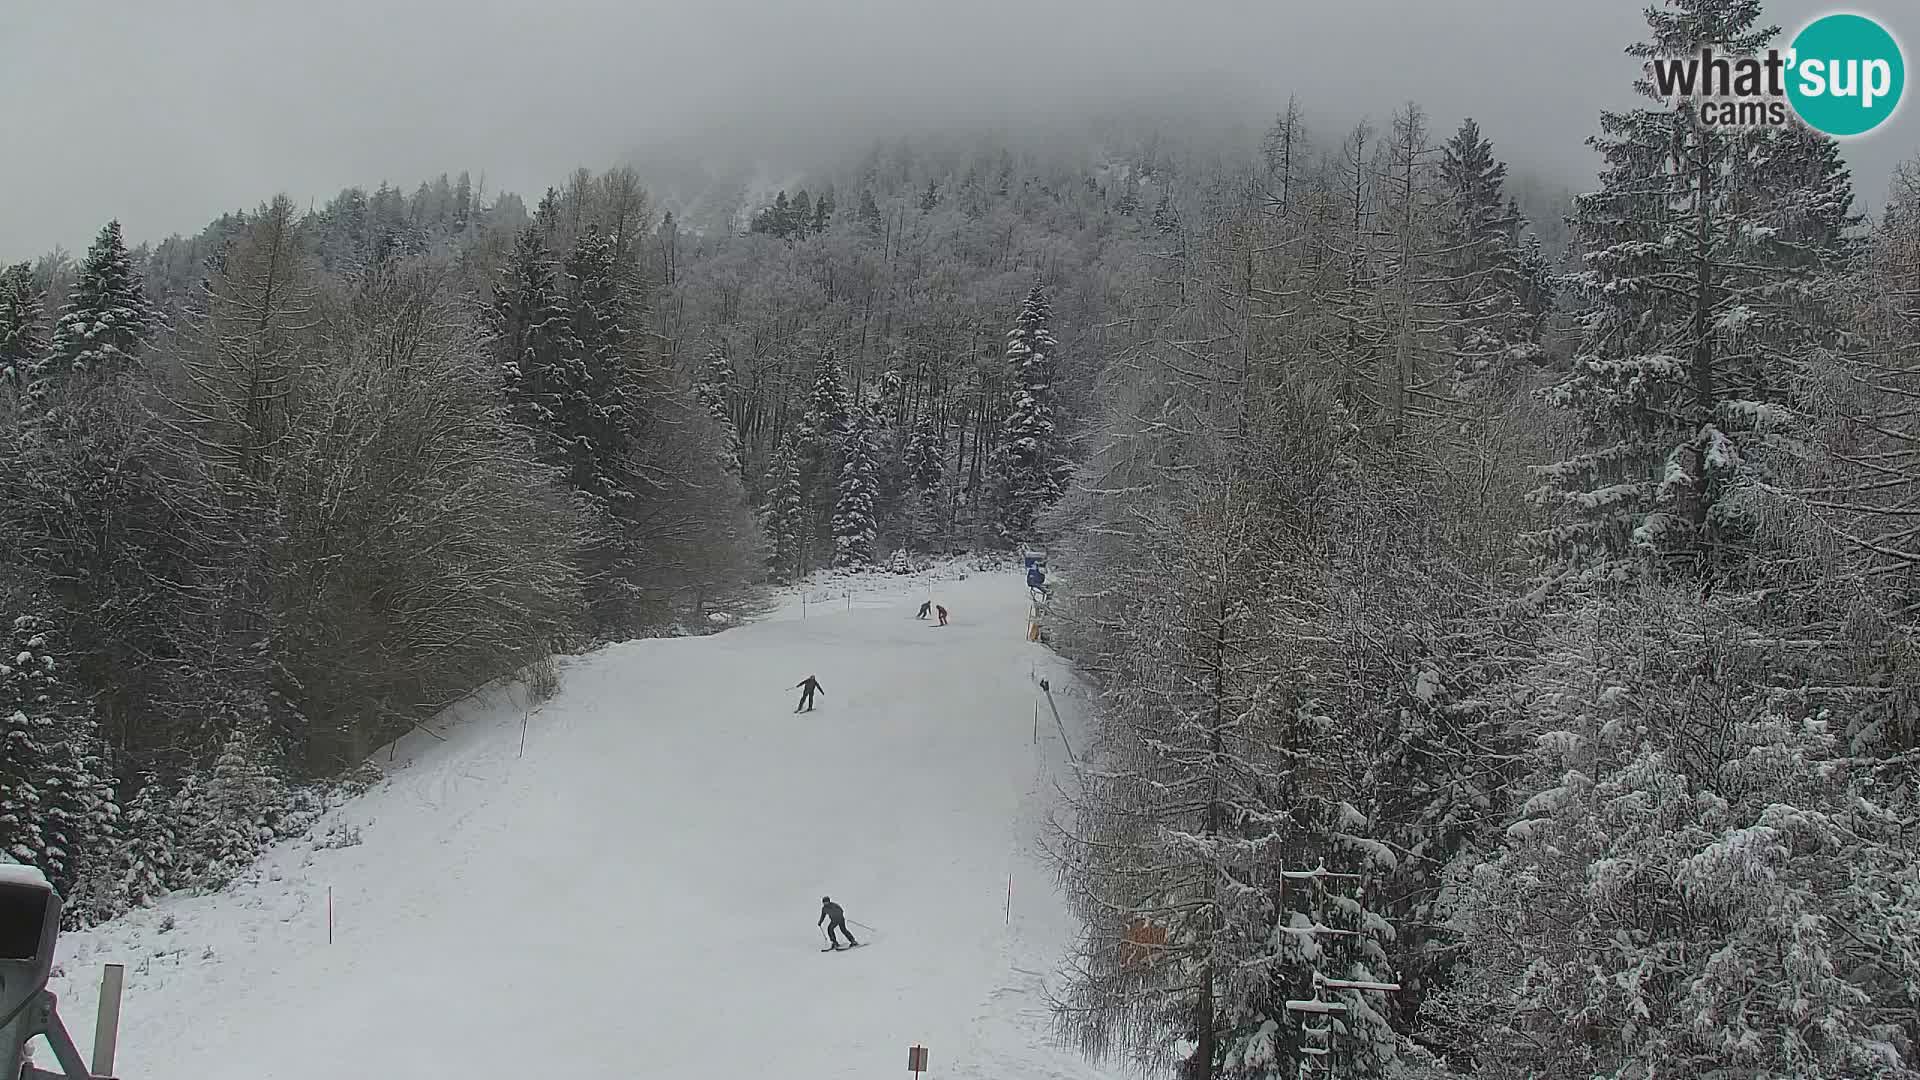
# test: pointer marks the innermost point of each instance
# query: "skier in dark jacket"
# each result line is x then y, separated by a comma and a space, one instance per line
942, 611
806, 687
924, 608
835, 919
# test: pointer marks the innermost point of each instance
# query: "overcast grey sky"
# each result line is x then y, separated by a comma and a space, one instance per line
166, 113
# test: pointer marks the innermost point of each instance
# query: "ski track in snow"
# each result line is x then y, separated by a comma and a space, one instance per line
636, 895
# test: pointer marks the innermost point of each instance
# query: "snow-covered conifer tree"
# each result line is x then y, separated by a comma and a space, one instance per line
232, 812
57, 810
715, 392
533, 335
1698, 305
854, 527
22, 334
786, 520
106, 319
1030, 459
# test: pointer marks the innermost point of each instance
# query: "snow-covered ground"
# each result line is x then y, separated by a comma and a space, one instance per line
636, 894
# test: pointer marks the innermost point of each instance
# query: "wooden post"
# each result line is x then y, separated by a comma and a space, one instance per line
106, 1027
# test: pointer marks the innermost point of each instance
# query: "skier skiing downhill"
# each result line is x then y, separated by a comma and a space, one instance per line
835, 919
806, 687
924, 608
942, 612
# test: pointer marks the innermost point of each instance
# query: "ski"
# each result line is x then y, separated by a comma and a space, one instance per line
842, 948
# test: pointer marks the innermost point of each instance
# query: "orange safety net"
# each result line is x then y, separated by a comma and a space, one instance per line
1144, 941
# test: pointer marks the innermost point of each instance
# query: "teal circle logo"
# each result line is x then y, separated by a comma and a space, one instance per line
1847, 75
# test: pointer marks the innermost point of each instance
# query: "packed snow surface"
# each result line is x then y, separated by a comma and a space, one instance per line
636, 895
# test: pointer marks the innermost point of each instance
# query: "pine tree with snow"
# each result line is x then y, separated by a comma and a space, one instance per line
924, 468
533, 339
854, 527
147, 859
786, 521
57, 810
1031, 465
464, 207
821, 445
1482, 279
106, 319
1535, 287
593, 414
1695, 881
231, 812
1165, 217
825, 422
923, 526
823, 210
22, 335
1703, 254
715, 391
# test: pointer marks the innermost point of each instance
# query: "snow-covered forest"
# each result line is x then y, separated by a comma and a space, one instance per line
1501, 602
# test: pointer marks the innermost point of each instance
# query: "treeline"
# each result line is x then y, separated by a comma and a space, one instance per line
906, 356
1541, 645
272, 496
277, 492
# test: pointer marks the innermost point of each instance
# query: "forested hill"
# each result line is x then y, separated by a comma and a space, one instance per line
1558, 597
278, 492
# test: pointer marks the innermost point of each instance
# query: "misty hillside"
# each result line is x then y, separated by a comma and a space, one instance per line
1482, 525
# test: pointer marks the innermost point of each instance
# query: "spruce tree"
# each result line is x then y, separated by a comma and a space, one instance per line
715, 391
1032, 470
1165, 217
106, 319
854, 527
786, 513
1698, 303
1482, 278
463, 204
923, 476
533, 335
822, 438
595, 413
147, 859
21, 331
57, 810
232, 812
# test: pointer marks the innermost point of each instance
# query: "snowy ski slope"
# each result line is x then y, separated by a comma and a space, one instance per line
636, 896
